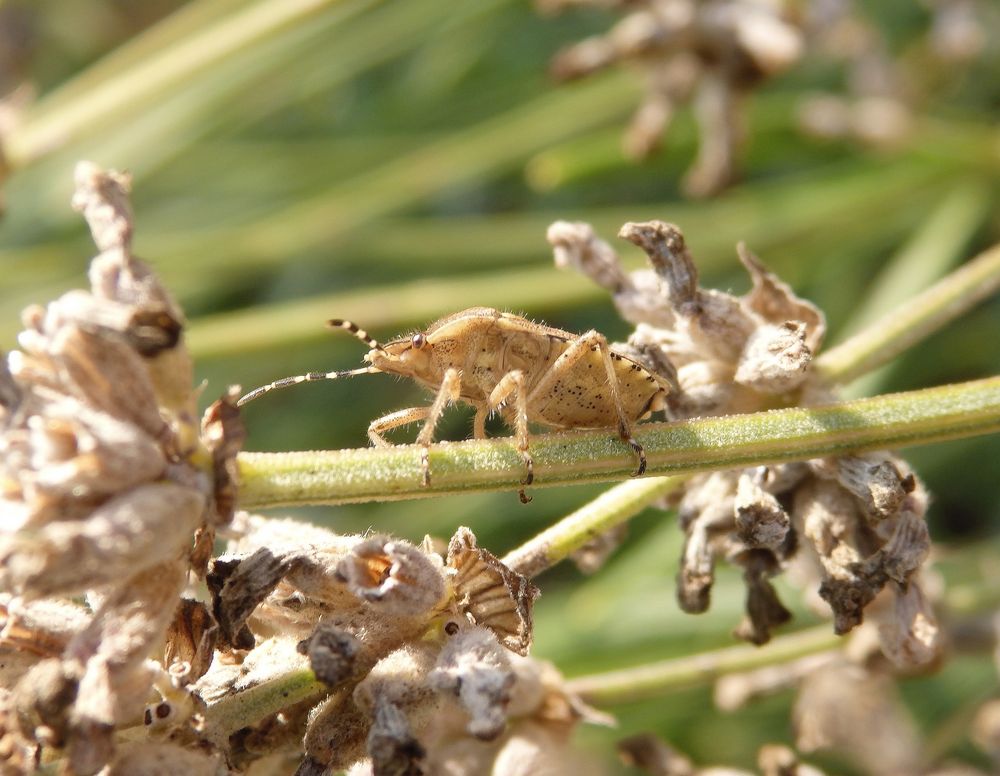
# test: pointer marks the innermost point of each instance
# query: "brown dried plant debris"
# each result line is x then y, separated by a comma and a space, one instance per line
107, 480
855, 522
407, 643
714, 54
711, 54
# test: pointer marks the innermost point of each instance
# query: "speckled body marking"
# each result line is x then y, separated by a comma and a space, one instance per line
526, 371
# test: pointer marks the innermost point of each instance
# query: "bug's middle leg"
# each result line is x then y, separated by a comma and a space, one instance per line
449, 391
514, 383
577, 349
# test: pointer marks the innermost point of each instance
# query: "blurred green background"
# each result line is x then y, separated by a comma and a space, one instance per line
391, 162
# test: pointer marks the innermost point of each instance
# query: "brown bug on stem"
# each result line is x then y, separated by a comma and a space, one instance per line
499, 362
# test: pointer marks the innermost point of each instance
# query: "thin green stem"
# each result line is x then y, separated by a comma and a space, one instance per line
900, 329
654, 680
612, 508
239, 709
386, 474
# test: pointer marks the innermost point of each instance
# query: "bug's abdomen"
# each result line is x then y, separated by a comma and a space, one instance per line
582, 397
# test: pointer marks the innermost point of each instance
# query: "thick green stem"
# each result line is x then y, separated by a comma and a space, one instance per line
900, 329
386, 474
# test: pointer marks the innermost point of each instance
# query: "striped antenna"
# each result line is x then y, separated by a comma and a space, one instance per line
353, 329
284, 382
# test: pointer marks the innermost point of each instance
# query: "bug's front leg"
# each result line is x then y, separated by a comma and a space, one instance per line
380, 426
449, 391
514, 383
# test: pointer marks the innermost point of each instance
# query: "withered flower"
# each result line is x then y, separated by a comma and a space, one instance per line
107, 482
857, 521
711, 54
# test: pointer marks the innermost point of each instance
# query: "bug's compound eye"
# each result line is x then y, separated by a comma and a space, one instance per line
418, 341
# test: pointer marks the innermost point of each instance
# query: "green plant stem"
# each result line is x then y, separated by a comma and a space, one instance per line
900, 329
613, 507
239, 709
386, 474
654, 680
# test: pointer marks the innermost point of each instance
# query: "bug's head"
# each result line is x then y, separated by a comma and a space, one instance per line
410, 356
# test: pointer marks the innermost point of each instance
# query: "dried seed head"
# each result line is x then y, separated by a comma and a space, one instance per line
489, 593
710, 54
394, 575
332, 653
475, 668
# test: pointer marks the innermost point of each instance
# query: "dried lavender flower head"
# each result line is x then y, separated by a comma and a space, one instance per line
108, 486
710, 54
856, 521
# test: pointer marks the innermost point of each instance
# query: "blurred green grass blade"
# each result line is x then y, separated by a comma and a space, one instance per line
121, 93
379, 309
934, 249
480, 150
187, 20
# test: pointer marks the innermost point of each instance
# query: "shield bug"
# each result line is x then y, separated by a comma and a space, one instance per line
499, 362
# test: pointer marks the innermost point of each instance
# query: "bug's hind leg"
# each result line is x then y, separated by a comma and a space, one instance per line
576, 350
514, 383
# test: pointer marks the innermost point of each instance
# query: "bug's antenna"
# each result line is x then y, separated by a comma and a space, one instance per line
309, 377
353, 329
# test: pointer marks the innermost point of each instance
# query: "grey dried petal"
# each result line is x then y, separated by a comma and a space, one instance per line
148, 329
705, 512
763, 609
735, 691
874, 479
42, 628
761, 521
475, 668
490, 594
393, 575
43, 699
576, 245
335, 737
109, 375
190, 641
223, 433
161, 758
859, 715
400, 678
649, 753
139, 529
393, 748
775, 358
10, 392
103, 198
668, 253
720, 131
113, 650
18, 755
71, 452
909, 634
237, 586
779, 760
594, 553
332, 653
775, 302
